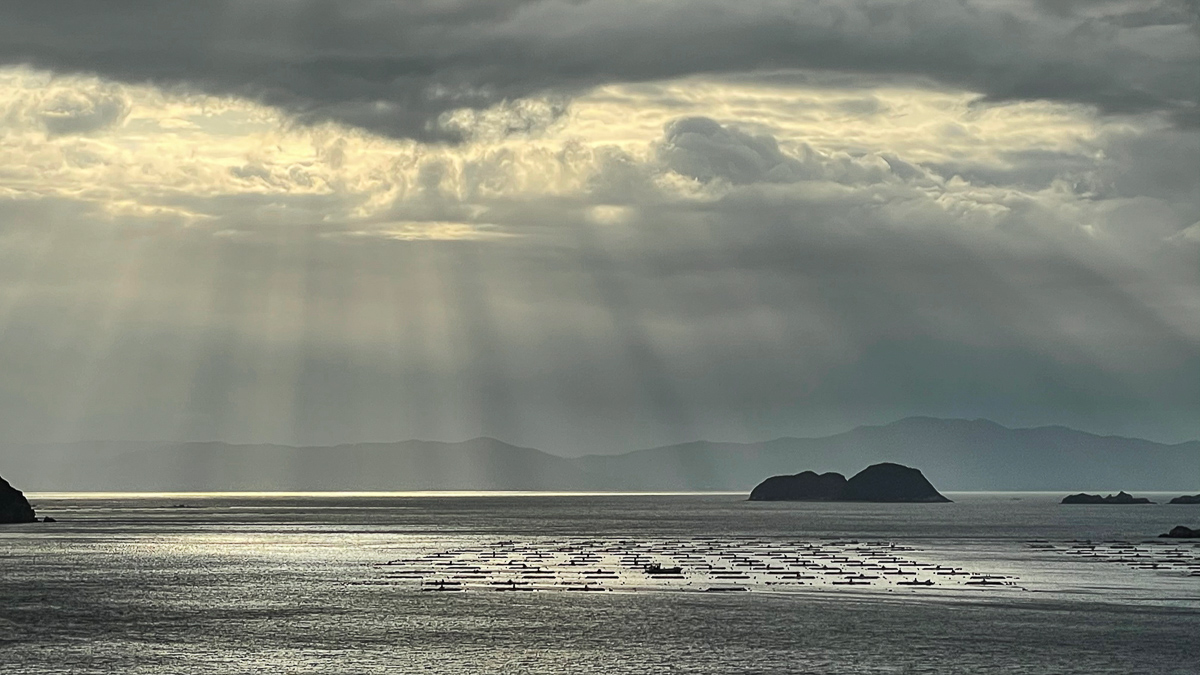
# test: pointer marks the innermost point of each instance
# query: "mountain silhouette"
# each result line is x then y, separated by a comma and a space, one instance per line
954, 454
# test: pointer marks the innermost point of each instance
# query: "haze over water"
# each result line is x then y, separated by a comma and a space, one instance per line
301, 583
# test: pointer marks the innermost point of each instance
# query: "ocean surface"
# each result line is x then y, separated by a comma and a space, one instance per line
543, 583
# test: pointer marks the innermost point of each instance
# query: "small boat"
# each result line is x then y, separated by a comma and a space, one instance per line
655, 568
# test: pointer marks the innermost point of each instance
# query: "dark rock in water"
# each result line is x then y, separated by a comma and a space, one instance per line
14, 508
889, 482
1181, 532
804, 486
48, 519
1119, 498
1186, 499
877, 483
1083, 498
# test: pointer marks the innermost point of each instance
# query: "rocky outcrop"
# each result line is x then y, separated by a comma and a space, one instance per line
885, 482
14, 508
889, 482
1119, 498
1186, 499
805, 486
1181, 532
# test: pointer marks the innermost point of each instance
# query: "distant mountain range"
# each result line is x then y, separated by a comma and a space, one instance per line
953, 454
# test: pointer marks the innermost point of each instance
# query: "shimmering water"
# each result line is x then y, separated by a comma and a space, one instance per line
294, 583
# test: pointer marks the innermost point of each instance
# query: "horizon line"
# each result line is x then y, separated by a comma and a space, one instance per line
406, 494
613, 454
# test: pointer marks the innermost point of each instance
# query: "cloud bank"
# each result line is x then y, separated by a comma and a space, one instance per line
396, 68
596, 225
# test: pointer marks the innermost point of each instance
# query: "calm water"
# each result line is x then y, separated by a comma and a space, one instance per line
283, 584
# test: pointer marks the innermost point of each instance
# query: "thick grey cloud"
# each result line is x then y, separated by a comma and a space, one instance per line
395, 67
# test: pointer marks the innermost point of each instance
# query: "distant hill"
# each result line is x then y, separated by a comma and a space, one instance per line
953, 454
477, 464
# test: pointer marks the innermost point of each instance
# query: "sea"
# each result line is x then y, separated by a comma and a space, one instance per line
595, 583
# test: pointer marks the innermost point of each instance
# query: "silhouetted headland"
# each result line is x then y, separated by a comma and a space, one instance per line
1121, 497
884, 482
1186, 499
1181, 532
14, 508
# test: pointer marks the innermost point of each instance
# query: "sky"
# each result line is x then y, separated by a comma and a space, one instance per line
596, 225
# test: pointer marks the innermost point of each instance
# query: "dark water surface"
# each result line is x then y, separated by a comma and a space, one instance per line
300, 584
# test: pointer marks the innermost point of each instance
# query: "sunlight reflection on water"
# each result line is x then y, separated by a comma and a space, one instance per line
297, 583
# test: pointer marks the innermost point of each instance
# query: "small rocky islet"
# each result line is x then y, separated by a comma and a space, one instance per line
885, 482
14, 508
1182, 532
1121, 497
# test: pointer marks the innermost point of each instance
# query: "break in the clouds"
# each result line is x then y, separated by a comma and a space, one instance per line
594, 225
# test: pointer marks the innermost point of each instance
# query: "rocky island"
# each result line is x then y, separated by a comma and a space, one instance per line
1186, 499
1119, 498
884, 482
1181, 532
14, 508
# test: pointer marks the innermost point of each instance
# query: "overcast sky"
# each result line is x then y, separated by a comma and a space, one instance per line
594, 225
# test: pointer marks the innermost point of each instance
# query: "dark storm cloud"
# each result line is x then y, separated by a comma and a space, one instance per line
395, 66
